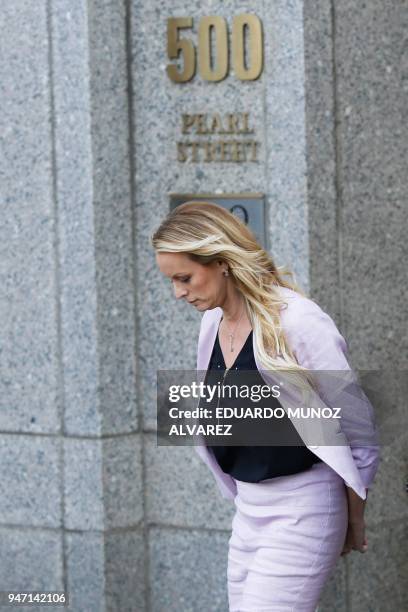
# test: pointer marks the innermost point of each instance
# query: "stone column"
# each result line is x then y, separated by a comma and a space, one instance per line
71, 508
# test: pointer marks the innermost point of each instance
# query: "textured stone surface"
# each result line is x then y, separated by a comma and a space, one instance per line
94, 214
374, 282
113, 217
181, 491
29, 394
125, 571
122, 481
113, 566
30, 559
387, 501
85, 566
377, 579
284, 122
76, 235
83, 484
371, 73
334, 595
30, 476
321, 155
204, 586
103, 483
106, 572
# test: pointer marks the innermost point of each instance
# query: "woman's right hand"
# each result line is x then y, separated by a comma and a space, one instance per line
355, 537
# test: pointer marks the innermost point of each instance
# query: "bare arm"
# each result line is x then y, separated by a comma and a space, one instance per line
355, 537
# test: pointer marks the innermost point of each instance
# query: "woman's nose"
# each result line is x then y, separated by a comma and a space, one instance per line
179, 292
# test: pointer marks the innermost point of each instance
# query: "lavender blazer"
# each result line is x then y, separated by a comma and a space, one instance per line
318, 345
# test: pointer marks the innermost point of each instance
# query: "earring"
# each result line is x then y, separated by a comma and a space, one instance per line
226, 273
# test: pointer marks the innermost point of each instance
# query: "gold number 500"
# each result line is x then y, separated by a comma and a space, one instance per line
218, 72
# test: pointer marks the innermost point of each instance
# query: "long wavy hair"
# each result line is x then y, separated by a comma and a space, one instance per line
207, 232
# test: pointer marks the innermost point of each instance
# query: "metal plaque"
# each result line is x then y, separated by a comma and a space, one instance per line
249, 207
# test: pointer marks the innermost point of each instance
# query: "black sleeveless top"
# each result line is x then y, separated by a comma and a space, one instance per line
256, 463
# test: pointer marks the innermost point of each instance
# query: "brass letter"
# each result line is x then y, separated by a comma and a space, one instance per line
216, 124
246, 129
181, 154
233, 121
201, 124
237, 154
188, 122
223, 145
194, 148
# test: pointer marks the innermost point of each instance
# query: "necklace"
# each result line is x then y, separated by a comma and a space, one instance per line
232, 334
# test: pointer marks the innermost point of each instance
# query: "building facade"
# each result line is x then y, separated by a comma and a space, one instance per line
101, 126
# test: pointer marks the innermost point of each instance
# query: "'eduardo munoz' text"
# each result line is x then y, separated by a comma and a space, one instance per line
304, 412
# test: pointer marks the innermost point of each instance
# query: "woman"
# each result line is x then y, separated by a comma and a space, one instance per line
298, 508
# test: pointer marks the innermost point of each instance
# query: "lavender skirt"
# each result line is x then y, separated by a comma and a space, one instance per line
287, 536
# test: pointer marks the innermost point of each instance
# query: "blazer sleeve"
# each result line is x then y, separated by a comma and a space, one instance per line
318, 345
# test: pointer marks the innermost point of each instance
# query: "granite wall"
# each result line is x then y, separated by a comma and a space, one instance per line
89, 122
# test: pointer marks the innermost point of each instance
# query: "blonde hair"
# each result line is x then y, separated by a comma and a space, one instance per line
207, 232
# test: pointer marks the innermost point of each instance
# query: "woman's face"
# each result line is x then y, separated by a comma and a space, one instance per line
204, 287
